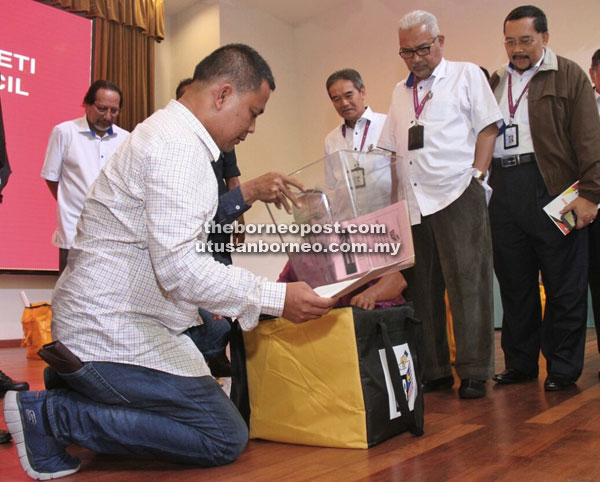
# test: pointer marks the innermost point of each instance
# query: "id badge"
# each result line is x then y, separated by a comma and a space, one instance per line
511, 136
416, 137
358, 177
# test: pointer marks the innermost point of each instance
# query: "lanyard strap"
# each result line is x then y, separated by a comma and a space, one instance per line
512, 108
364, 137
419, 107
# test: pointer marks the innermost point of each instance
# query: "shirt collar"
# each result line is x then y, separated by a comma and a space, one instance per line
84, 126
438, 73
367, 115
194, 123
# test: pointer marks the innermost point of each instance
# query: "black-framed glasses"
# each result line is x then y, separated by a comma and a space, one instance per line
102, 109
422, 51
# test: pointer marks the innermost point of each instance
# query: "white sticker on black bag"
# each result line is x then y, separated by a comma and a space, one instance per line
407, 373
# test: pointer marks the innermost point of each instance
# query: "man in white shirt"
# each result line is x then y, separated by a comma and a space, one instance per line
77, 151
135, 279
361, 128
442, 122
360, 131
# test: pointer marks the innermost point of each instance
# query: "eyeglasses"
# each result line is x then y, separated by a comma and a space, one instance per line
511, 42
102, 109
421, 51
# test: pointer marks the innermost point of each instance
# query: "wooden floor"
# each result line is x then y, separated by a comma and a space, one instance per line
516, 433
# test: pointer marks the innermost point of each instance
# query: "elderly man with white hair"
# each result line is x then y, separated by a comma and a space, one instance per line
442, 122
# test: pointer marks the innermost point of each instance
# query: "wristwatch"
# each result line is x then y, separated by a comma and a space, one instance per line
477, 174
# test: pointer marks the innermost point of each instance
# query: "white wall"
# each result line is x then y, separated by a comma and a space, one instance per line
274, 145
190, 36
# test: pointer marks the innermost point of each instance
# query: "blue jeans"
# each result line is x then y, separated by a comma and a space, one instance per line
127, 409
212, 336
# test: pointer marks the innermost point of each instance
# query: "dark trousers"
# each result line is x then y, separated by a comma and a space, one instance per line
63, 254
526, 242
594, 275
453, 251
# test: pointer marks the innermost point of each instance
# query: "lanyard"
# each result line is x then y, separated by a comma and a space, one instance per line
364, 137
419, 107
512, 108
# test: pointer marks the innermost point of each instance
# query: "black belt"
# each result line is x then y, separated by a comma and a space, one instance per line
511, 161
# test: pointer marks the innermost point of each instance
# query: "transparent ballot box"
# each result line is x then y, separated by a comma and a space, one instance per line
352, 225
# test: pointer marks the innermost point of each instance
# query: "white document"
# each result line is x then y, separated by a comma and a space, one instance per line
554, 207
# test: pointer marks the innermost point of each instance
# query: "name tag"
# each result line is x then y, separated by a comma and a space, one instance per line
511, 136
358, 177
416, 137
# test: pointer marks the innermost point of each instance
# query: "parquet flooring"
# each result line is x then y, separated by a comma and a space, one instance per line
516, 433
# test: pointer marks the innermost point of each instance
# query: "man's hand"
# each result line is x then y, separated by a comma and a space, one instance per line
586, 211
387, 288
303, 304
365, 300
272, 187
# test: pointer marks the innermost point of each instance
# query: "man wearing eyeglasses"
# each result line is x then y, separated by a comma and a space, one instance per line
443, 122
77, 151
551, 139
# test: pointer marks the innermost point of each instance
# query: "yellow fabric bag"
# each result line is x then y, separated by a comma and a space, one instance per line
323, 383
36, 322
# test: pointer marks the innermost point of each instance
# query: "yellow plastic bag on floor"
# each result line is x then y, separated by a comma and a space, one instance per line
36, 321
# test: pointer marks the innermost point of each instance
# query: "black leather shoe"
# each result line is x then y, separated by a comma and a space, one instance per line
443, 383
7, 383
4, 437
470, 388
510, 375
557, 383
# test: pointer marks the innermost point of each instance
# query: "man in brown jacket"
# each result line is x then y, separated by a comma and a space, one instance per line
551, 139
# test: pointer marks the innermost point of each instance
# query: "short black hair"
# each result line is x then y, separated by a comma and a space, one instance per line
181, 87
345, 74
540, 22
239, 64
596, 59
90, 96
